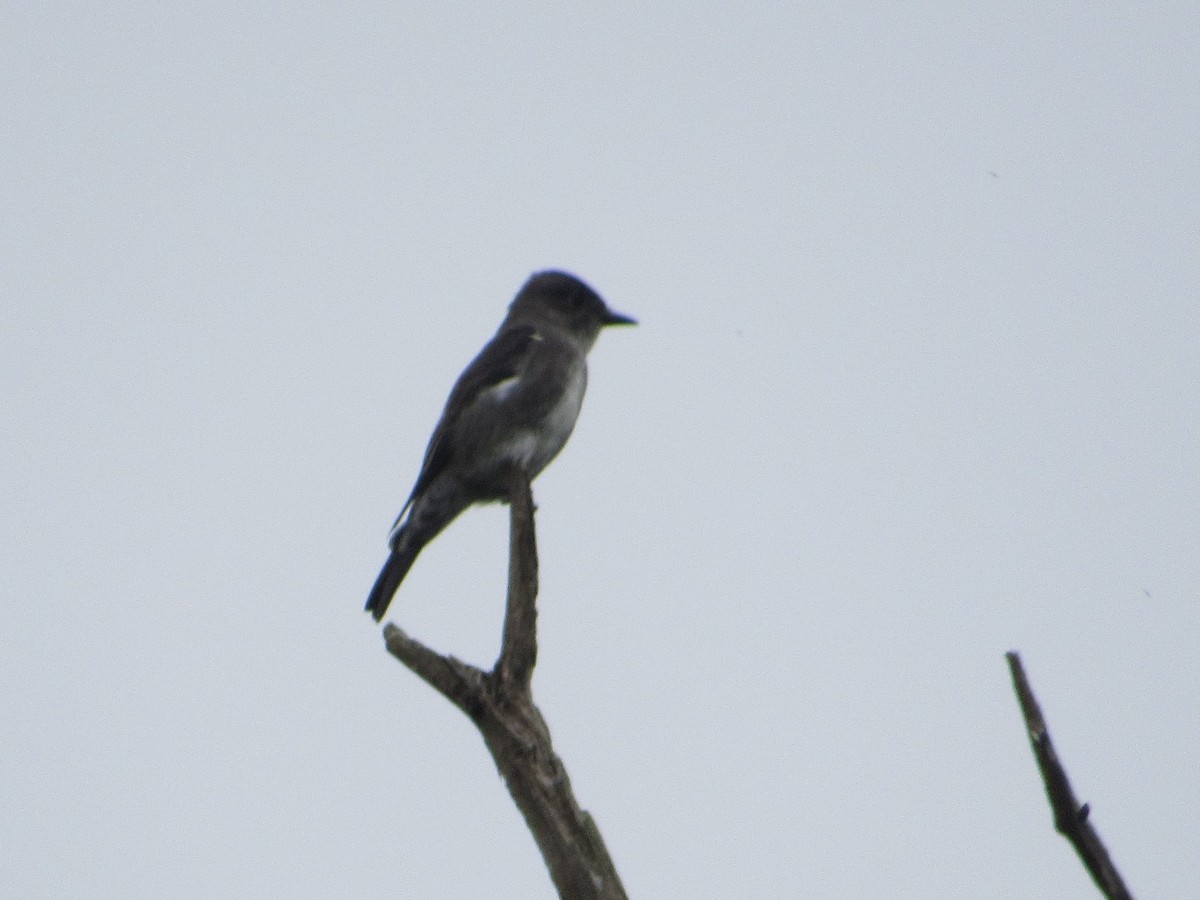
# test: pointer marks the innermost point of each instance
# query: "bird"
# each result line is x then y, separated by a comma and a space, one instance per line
513, 407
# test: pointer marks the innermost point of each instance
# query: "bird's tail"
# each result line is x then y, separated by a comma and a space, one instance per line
430, 512
403, 555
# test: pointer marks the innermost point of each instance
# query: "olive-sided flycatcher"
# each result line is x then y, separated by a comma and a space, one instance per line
514, 406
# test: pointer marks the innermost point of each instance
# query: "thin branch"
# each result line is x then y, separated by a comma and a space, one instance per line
459, 682
518, 651
500, 703
1070, 818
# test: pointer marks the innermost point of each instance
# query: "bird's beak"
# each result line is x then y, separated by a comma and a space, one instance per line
615, 318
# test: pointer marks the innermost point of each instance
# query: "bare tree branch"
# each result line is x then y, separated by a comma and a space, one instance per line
518, 651
1070, 818
500, 703
457, 681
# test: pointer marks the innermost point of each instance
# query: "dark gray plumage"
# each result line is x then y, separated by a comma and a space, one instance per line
515, 405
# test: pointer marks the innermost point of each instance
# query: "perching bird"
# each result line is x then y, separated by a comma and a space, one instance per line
514, 406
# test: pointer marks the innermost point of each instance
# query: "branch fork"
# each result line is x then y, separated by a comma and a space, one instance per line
500, 703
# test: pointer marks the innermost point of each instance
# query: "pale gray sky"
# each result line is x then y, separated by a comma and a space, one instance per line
916, 383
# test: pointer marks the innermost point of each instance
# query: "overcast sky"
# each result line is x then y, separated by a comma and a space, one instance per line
915, 384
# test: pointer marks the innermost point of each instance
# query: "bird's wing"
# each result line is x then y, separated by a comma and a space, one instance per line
503, 358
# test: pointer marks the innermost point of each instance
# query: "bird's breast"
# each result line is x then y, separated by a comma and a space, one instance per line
535, 442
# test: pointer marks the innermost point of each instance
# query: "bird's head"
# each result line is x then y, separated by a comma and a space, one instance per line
560, 300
